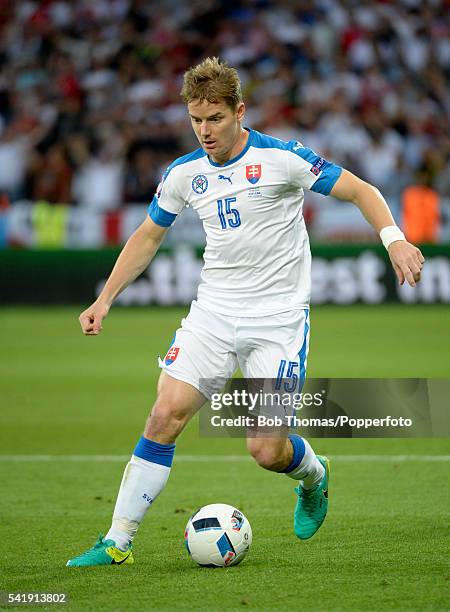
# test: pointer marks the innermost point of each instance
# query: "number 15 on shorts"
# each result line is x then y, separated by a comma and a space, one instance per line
291, 374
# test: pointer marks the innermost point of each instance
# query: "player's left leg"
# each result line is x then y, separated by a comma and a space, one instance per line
294, 457
277, 347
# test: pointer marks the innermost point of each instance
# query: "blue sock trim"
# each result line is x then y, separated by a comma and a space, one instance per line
155, 452
299, 452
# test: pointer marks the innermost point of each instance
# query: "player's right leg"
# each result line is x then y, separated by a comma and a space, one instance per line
147, 472
200, 358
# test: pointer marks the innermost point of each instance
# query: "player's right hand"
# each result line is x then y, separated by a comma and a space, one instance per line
91, 318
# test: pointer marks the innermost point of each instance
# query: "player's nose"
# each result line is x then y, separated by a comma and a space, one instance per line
204, 129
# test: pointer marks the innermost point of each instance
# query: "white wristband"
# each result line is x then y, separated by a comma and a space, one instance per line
390, 234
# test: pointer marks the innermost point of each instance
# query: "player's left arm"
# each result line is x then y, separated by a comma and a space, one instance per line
406, 259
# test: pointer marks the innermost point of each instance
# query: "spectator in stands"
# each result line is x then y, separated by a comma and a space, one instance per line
364, 82
13, 159
51, 178
98, 182
141, 180
421, 209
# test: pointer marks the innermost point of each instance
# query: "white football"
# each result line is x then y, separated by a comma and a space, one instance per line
218, 535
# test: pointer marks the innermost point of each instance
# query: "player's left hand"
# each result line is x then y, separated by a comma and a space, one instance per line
407, 261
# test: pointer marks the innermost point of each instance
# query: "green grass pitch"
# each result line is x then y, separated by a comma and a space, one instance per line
382, 547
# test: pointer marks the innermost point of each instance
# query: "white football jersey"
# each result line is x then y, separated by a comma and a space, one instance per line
257, 255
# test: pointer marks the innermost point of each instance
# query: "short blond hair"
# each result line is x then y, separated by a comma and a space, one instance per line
213, 81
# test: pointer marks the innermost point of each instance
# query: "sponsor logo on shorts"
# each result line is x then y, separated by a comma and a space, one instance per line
317, 166
172, 354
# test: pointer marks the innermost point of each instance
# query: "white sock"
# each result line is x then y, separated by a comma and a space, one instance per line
141, 484
309, 471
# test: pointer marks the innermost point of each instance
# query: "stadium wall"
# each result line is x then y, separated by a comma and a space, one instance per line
345, 274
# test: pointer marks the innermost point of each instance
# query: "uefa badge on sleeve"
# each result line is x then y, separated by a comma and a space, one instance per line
316, 169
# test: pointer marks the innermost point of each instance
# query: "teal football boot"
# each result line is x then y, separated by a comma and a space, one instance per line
312, 505
104, 552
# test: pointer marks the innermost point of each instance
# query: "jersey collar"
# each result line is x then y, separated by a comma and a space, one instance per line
241, 154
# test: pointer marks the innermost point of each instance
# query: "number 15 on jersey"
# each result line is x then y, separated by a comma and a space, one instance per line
229, 218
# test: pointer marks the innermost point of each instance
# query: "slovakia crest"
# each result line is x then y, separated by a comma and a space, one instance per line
253, 173
172, 354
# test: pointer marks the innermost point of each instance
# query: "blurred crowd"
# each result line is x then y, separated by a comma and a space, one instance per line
90, 112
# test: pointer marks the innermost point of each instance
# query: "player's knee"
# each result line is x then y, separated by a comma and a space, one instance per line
167, 417
267, 456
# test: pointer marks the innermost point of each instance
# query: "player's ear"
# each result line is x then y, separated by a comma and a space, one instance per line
240, 111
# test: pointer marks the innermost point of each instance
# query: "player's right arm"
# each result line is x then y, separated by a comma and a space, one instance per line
132, 261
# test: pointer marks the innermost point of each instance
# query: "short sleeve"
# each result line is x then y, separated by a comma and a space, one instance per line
310, 171
166, 203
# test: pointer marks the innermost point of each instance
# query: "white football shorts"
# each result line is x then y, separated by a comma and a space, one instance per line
208, 348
